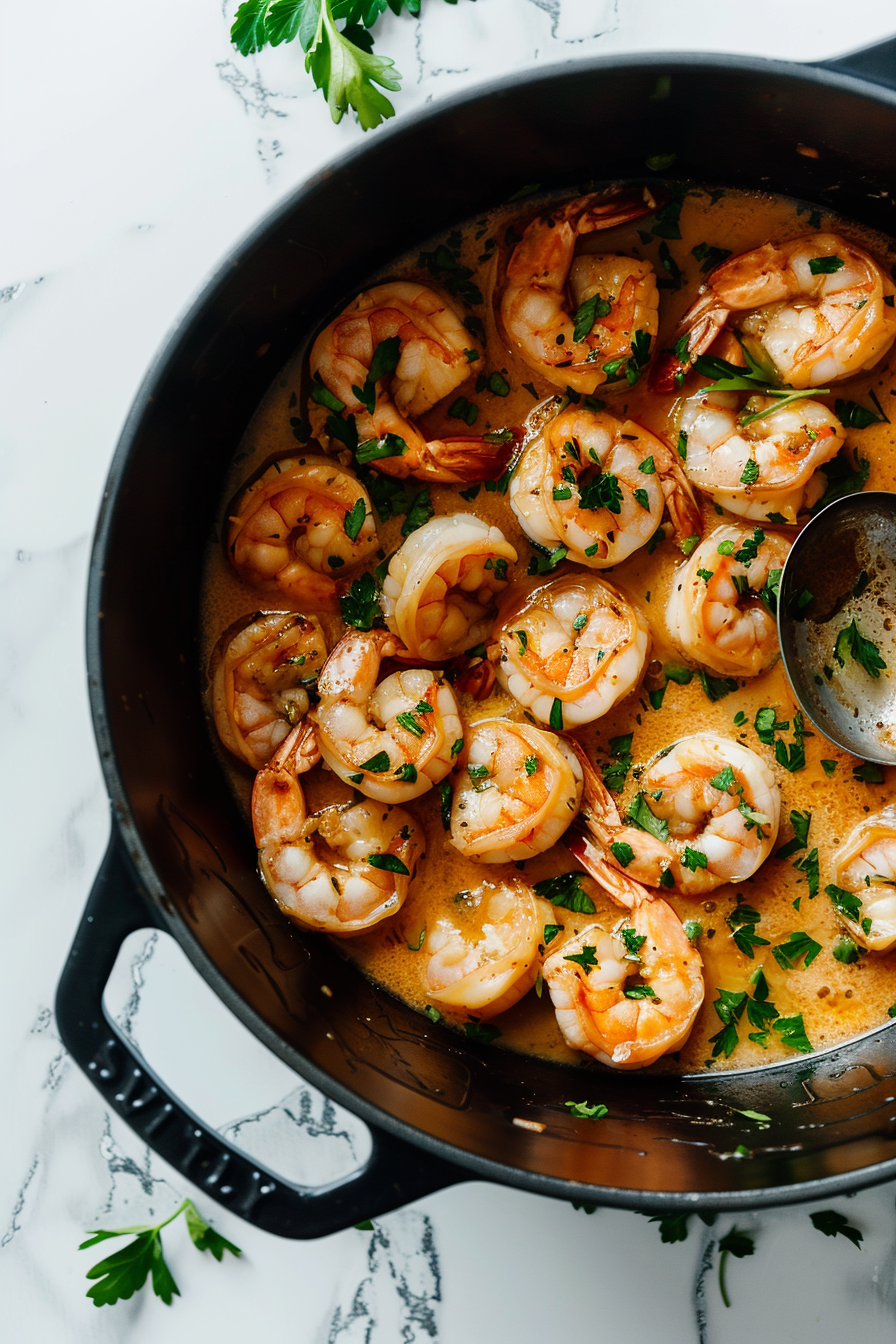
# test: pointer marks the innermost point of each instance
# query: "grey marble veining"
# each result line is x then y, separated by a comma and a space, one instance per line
143, 148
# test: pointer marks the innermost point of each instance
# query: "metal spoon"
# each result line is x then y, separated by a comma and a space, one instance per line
842, 569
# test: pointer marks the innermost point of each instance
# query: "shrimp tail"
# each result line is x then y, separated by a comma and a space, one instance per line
278, 803
621, 207
698, 329
591, 836
476, 676
458, 461
682, 507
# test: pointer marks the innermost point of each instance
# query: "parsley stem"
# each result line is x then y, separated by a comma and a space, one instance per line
723, 1289
785, 398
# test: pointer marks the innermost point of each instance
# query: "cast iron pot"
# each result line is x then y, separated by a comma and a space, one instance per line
440, 1109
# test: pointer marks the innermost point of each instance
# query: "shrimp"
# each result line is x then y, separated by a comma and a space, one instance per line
575, 642
517, 789
624, 1025
627, 1007
394, 740
260, 677
777, 454
721, 608
485, 955
355, 874
395, 351
719, 808
441, 585
865, 867
297, 526
815, 308
598, 486
550, 294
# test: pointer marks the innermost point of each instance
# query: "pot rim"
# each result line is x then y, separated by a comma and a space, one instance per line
165, 358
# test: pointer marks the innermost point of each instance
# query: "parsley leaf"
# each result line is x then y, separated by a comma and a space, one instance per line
843, 479
851, 643
729, 1006
484, 1032
622, 852
798, 947
124, 1273
583, 1110
833, 1224
793, 1033
360, 606
602, 492
742, 922
586, 958
566, 891
716, 688
800, 823
587, 314
846, 903
640, 814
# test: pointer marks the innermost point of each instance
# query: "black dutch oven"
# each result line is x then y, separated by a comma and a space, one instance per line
441, 1109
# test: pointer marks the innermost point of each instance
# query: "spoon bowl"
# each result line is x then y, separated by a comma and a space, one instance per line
837, 623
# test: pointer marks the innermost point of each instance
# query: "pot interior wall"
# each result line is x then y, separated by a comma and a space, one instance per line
732, 123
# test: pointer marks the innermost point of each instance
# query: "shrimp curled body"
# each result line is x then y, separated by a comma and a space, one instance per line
433, 359
393, 740
778, 455
865, 866
597, 486
722, 808
547, 286
289, 534
260, 679
576, 642
716, 612
441, 586
518, 788
484, 956
340, 871
815, 308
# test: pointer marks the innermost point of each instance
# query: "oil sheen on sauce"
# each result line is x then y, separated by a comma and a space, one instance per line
837, 1001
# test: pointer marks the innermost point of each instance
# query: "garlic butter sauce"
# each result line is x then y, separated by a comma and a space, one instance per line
836, 1000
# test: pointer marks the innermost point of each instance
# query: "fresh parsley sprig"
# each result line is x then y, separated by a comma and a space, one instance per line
341, 61
124, 1272
727, 377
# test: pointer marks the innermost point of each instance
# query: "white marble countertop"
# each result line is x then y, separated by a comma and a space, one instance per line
143, 147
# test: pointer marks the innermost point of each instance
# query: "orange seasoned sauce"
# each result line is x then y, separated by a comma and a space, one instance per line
836, 1000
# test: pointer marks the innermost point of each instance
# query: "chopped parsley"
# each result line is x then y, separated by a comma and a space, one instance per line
583, 1110
566, 892
798, 947
587, 314
360, 606
622, 852
531, 764
833, 1224
586, 958
602, 492
800, 823
851, 643
483, 1032
389, 863
742, 922
716, 688
825, 265
640, 814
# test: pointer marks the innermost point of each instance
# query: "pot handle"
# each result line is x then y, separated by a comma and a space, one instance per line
876, 63
395, 1174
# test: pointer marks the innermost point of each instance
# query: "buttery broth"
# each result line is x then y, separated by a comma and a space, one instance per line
836, 1000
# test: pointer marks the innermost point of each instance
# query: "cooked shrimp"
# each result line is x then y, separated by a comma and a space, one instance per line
547, 286
865, 866
260, 678
484, 956
297, 527
622, 857
815, 308
574, 641
716, 612
392, 740
359, 870
777, 455
412, 345
625, 1026
517, 790
721, 807
598, 486
625, 1007
440, 589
